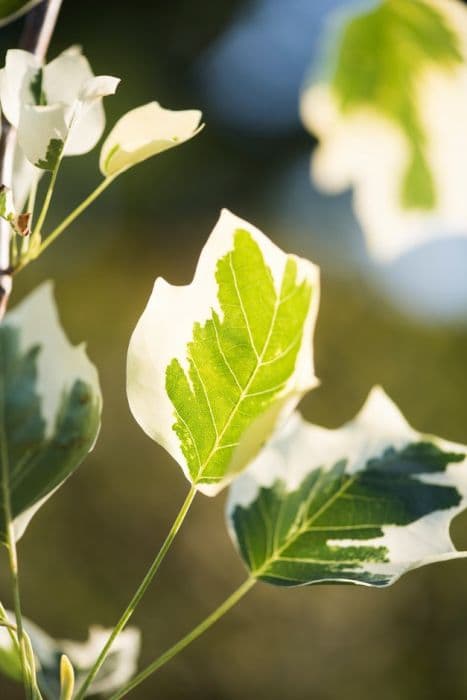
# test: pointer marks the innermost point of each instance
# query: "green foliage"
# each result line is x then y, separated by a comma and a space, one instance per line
238, 364
381, 56
284, 537
38, 451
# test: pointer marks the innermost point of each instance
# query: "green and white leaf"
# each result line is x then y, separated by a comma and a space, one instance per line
144, 132
13, 9
50, 406
362, 504
388, 103
214, 366
119, 666
42, 134
57, 108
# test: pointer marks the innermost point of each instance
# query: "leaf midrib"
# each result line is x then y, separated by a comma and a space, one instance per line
258, 365
276, 555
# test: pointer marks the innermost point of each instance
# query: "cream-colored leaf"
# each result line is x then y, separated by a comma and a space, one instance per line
144, 132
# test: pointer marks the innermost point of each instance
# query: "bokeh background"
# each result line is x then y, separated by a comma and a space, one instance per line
403, 326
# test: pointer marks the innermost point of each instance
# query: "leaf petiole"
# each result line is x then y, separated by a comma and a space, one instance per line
196, 632
121, 624
67, 221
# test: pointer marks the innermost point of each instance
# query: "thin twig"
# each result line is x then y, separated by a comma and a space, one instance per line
37, 32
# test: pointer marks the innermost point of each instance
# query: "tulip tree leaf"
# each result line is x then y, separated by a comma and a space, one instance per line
12, 9
117, 669
362, 504
214, 365
50, 406
377, 62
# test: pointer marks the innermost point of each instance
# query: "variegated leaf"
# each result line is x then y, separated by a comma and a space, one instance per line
214, 366
50, 405
361, 504
388, 103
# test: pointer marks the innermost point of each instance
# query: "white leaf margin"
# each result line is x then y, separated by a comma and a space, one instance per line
166, 327
59, 365
367, 151
378, 426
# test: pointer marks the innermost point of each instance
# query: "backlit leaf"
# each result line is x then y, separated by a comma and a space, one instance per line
362, 504
50, 405
215, 365
388, 103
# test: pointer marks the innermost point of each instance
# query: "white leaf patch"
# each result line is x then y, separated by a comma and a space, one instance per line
365, 150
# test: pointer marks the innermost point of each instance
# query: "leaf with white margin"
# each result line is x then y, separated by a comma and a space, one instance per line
57, 108
362, 504
388, 103
13, 9
144, 132
214, 366
119, 666
50, 406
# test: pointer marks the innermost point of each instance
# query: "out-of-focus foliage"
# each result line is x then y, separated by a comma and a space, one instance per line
388, 103
119, 666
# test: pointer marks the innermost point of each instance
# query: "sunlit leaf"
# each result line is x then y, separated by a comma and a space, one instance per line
50, 406
145, 131
118, 668
57, 108
12, 9
362, 504
215, 365
388, 103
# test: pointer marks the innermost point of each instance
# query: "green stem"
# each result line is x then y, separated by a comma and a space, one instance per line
190, 637
139, 593
75, 213
67, 221
46, 204
11, 546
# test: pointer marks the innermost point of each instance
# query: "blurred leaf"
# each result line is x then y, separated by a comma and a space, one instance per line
214, 365
377, 104
50, 405
10, 662
12, 9
117, 669
380, 58
67, 678
362, 504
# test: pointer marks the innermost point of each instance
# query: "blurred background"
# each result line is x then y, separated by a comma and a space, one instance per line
403, 326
